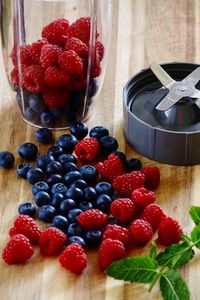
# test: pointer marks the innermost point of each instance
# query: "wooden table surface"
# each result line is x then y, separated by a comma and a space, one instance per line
143, 31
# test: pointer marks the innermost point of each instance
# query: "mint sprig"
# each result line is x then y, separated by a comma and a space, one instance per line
162, 267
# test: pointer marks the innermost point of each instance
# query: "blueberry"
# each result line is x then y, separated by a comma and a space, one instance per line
35, 175
89, 173
113, 221
85, 205
72, 214
54, 178
133, 164
54, 167
56, 200
103, 203
30, 114
70, 177
66, 205
93, 238
56, 112
36, 102
69, 167
75, 229
46, 118
89, 194
60, 222
23, 169
79, 130
74, 193
98, 132
67, 142
78, 240
65, 158
79, 183
27, 209
42, 198
43, 160
58, 188
44, 136
6, 159
39, 187
92, 88
28, 151
121, 156
108, 144
46, 213
104, 188
55, 151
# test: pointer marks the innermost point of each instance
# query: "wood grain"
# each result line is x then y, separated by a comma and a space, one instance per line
143, 31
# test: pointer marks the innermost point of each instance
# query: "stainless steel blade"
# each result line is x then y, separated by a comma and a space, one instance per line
168, 101
193, 78
161, 74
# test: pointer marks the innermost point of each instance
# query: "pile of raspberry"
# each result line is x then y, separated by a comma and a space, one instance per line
130, 220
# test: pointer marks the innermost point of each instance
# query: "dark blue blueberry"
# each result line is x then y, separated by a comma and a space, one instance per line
54, 167
36, 102
42, 198
60, 222
79, 183
72, 214
46, 213
35, 175
79, 130
104, 188
27, 209
56, 200
58, 188
98, 132
103, 203
113, 221
67, 142
89, 194
43, 160
69, 167
54, 178
47, 119
121, 156
39, 187
89, 173
23, 169
56, 112
6, 159
92, 88
78, 240
44, 135
28, 151
93, 238
65, 158
108, 144
55, 151
133, 164
85, 205
70, 177
74, 193
66, 205
30, 114
75, 229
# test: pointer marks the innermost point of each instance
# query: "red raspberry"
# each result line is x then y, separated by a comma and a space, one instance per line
49, 55
153, 214
96, 71
25, 225
141, 231
12, 231
78, 82
142, 197
33, 79
81, 29
78, 46
73, 258
169, 231
99, 51
55, 98
87, 149
152, 177
14, 77
56, 32
123, 210
25, 58
109, 251
127, 183
111, 167
52, 241
70, 62
92, 219
55, 77
35, 50
116, 232
17, 250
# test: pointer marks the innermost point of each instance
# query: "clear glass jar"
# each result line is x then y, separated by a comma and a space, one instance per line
55, 55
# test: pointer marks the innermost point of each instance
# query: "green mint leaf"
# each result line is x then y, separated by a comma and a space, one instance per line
185, 238
195, 214
195, 235
134, 269
153, 250
173, 286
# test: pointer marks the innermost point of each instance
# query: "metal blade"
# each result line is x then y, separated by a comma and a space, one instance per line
168, 101
192, 78
161, 74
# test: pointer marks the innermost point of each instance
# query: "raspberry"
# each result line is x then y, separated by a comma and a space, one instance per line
73, 258
109, 251
25, 225
49, 55
55, 77
14, 77
111, 168
116, 232
33, 79
25, 58
78, 46
12, 231
92, 219
99, 51
153, 214
78, 82
141, 231
17, 250
169, 231
52, 241
96, 71
56, 32
123, 210
87, 149
152, 177
70, 62
142, 197
55, 98
35, 50
81, 29
127, 183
